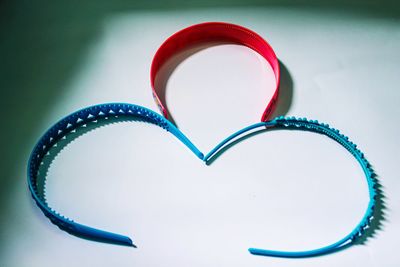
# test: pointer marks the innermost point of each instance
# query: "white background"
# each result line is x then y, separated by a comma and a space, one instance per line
277, 190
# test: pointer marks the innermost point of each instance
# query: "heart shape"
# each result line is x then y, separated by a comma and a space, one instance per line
94, 114
98, 113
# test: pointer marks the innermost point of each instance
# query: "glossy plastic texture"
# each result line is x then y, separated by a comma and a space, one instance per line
66, 126
210, 32
321, 128
186, 38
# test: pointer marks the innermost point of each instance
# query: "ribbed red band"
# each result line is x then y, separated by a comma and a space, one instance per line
214, 32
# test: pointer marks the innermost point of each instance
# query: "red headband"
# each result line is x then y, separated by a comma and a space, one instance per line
214, 32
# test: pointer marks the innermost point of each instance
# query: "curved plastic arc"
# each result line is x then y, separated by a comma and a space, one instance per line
91, 114
186, 38
314, 126
69, 124
214, 32
234, 135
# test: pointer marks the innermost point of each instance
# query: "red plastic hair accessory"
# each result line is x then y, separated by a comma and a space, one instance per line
214, 32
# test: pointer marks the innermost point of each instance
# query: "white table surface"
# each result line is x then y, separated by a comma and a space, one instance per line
277, 190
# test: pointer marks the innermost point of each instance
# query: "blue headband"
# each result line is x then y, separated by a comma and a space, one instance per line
190, 36
97, 113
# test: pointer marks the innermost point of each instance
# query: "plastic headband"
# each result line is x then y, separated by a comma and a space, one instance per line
213, 32
321, 128
97, 113
69, 125
219, 31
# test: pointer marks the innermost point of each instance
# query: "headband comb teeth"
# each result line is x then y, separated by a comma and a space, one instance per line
194, 35
68, 125
213, 32
324, 129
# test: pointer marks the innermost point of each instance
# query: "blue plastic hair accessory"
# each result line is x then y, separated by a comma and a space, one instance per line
92, 114
187, 37
321, 128
68, 125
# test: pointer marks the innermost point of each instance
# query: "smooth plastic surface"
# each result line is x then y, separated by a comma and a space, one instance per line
98, 112
219, 31
67, 125
192, 36
321, 128
210, 32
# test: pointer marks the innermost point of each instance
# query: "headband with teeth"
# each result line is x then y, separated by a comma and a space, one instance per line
219, 31
214, 32
321, 128
191, 36
68, 125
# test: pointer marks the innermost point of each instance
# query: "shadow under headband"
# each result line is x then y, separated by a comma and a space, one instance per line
194, 35
210, 32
